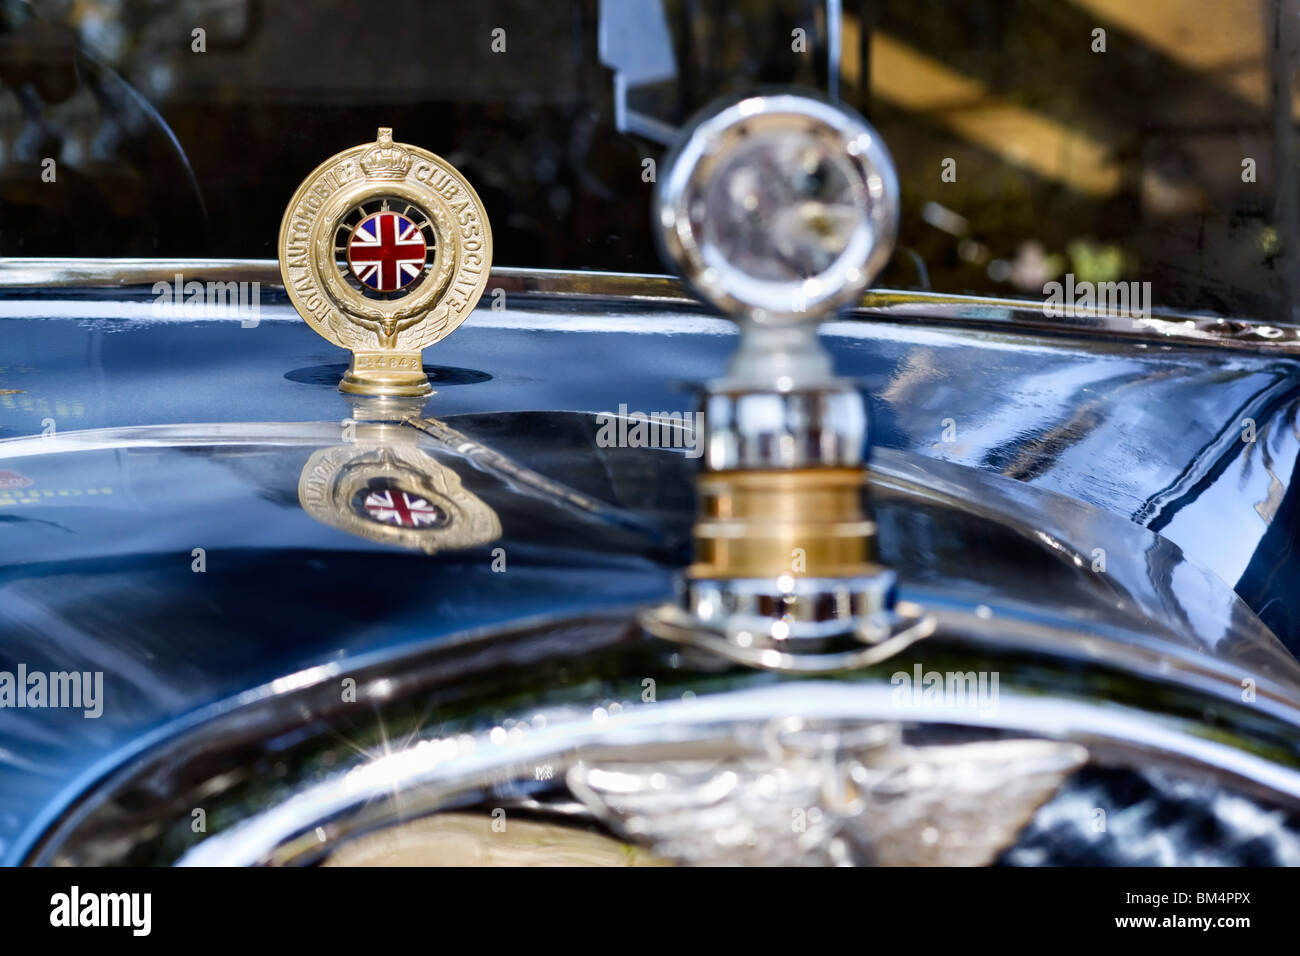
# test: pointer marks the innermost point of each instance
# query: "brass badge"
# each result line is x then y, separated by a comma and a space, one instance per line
384, 249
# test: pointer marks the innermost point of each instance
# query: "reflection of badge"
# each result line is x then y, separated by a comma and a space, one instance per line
396, 494
384, 250
13, 479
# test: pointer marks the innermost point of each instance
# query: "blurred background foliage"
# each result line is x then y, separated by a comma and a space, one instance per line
1113, 139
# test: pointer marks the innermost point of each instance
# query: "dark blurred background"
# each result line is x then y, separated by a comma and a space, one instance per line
1127, 154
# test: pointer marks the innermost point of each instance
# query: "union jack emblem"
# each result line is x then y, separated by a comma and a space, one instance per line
396, 507
386, 251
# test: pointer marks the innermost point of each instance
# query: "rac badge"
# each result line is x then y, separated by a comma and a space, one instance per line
384, 249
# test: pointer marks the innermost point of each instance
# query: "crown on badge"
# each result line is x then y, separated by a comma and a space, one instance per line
385, 160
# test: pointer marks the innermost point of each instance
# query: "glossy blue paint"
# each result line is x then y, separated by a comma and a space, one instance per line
104, 581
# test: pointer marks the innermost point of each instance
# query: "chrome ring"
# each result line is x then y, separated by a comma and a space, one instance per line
817, 428
853, 150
